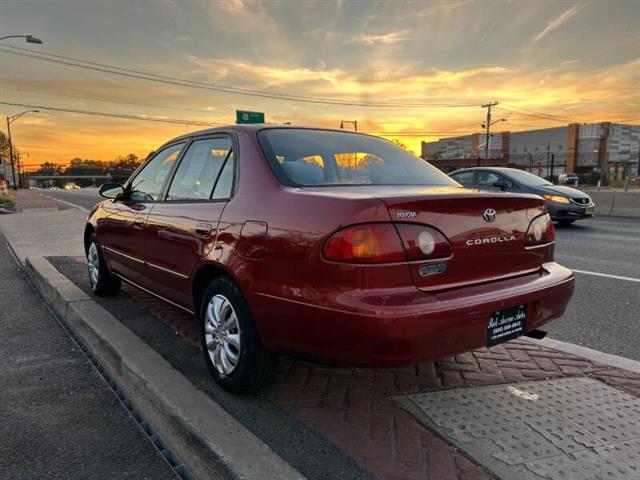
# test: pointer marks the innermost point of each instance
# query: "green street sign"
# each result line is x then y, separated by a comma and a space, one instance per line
249, 117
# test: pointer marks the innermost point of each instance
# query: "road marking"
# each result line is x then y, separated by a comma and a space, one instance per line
606, 275
68, 203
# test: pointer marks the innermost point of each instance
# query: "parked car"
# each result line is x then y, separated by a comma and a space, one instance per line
327, 244
565, 204
568, 178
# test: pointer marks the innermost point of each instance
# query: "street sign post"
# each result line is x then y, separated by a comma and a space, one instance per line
249, 117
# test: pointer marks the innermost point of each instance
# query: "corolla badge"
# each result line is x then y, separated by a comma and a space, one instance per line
498, 239
489, 215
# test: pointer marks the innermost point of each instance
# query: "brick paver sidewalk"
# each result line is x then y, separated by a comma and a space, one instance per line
28, 199
354, 407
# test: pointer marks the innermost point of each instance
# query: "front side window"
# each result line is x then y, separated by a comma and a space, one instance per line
204, 163
147, 184
307, 157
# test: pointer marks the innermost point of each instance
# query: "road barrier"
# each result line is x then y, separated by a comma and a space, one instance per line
616, 204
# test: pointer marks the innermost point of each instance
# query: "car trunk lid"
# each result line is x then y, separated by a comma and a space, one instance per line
483, 249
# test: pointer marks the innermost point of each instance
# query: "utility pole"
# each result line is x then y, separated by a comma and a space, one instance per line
13, 168
553, 155
487, 127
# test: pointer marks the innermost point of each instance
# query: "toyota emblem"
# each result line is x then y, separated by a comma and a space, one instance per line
489, 215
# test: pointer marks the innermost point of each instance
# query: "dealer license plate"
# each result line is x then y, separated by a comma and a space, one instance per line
589, 210
506, 324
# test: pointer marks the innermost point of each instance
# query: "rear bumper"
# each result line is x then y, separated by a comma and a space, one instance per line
378, 329
570, 211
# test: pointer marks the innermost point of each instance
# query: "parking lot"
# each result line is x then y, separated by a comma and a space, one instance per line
603, 251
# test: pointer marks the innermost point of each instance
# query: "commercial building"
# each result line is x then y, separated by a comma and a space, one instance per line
612, 148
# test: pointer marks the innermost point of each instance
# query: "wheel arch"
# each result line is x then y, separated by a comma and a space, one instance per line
89, 229
201, 279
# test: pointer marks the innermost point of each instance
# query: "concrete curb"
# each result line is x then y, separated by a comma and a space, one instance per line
594, 355
209, 441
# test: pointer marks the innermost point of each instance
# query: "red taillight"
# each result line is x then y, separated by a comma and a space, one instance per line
540, 231
421, 242
381, 242
370, 243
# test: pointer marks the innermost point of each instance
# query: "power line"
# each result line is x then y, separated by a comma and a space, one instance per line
114, 115
98, 99
155, 77
537, 114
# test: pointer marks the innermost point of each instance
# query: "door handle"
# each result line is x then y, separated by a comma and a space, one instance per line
138, 222
204, 229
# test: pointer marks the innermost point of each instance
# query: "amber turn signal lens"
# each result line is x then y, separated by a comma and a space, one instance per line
556, 199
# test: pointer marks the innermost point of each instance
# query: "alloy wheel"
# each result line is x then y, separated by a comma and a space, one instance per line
222, 334
93, 264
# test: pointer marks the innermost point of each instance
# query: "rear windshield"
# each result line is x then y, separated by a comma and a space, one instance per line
307, 157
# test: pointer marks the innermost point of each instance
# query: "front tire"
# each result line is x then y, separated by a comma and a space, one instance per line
231, 344
102, 282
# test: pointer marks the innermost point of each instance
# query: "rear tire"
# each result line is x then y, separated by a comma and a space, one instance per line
231, 344
102, 282
566, 222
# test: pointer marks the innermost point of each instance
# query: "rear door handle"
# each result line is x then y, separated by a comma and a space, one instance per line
138, 222
204, 229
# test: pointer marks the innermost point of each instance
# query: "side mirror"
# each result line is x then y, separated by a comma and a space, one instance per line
500, 184
111, 190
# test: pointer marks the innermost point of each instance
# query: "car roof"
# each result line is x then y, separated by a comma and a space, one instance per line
254, 128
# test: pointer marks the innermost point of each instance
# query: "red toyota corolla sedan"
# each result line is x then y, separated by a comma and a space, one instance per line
332, 245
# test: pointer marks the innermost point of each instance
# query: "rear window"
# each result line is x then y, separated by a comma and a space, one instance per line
307, 157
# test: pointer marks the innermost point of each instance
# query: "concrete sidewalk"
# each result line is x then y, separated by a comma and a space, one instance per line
43, 226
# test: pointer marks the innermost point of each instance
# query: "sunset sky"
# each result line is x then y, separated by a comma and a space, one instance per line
572, 61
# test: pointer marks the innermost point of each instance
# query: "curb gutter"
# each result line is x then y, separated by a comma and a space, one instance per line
210, 442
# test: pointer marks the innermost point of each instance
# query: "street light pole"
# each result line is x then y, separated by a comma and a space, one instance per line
28, 38
13, 168
10, 120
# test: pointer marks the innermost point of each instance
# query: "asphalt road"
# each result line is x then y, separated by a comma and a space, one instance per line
85, 197
603, 313
59, 417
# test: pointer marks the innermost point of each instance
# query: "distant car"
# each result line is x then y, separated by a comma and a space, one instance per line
568, 178
71, 186
565, 204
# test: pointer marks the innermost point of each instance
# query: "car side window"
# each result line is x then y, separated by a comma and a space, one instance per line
465, 178
488, 179
224, 187
203, 164
147, 184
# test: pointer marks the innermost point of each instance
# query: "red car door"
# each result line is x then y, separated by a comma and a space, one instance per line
121, 230
181, 229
